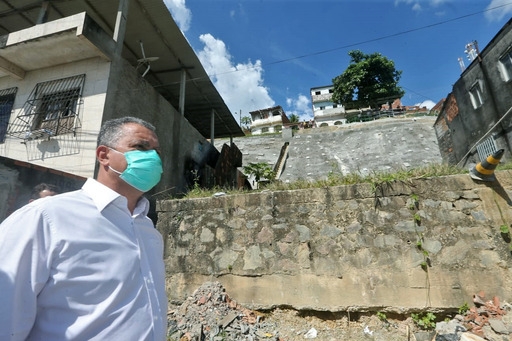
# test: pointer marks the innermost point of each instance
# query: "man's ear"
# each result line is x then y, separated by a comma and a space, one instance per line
102, 155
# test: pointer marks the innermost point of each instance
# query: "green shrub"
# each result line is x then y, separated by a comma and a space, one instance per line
424, 321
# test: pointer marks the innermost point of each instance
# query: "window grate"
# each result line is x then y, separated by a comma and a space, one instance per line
7, 97
52, 109
486, 148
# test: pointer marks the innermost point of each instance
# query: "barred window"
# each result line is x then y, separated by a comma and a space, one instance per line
52, 109
56, 112
486, 147
7, 97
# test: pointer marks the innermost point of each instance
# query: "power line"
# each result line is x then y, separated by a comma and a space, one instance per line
390, 35
352, 45
371, 40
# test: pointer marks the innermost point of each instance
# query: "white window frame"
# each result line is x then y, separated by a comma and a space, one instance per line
476, 95
506, 65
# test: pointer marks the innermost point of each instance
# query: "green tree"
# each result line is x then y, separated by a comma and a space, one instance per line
294, 118
369, 80
260, 170
246, 122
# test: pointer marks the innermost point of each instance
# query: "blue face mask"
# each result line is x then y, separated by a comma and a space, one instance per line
144, 169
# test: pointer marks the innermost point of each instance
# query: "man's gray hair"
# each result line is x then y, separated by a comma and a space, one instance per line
111, 131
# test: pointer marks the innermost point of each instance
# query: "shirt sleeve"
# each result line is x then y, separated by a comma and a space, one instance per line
25, 247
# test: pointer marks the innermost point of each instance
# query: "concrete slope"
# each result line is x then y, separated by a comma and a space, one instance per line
383, 145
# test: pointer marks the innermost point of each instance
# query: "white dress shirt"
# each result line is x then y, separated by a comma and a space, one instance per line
80, 266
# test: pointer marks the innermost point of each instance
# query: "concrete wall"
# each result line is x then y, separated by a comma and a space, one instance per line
473, 123
8, 184
17, 181
183, 148
345, 248
387, 144
67, 153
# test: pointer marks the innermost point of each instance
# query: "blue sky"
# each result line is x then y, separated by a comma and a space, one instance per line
263, 53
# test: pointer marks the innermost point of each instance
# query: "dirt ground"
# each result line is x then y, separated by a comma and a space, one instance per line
210, 314
292, 325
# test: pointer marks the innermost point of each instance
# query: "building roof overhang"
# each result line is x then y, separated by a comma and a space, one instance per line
149, 28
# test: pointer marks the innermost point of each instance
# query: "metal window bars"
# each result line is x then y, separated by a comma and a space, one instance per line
7, 97
51, 109
486, 148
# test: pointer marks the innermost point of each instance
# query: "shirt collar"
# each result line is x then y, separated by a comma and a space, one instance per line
102, 196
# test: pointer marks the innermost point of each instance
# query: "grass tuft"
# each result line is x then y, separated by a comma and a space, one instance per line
339, 179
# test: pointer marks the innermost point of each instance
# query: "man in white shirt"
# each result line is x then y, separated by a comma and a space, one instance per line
88, 264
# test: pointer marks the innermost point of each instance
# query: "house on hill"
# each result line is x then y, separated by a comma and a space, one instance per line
269, 120
68, 66
325, 111
482, 122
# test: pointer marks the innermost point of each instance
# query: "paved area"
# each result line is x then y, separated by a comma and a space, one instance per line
383, 145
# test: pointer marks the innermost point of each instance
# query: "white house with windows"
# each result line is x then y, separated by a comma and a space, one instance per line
481, 123
326, 112
269, 120
68, 66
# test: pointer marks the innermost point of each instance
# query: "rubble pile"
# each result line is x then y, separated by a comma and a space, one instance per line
210, 314
484, 313
486, 320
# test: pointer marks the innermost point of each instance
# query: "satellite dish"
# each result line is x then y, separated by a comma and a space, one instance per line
145, 60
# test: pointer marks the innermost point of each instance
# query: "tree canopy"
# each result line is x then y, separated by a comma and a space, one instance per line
294, 118
369, 80
246, 122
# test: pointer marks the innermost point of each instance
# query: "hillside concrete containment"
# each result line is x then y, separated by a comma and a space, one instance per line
383, 145
411, 245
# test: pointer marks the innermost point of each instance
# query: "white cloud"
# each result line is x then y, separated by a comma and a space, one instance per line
240, 85
417, 4
180, 13
416, 7
437, 2
498, 13
300, 106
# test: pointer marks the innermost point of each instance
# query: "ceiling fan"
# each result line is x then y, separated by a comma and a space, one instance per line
145, 61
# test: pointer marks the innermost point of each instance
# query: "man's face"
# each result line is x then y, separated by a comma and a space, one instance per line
135, 137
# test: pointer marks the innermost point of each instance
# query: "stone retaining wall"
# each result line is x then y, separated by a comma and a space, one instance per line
400, 247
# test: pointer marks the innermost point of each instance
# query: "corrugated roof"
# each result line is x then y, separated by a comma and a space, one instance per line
148, 21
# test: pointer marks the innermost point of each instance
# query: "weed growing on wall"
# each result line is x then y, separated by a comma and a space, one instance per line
426, 321
378, 180
414, 206
504, 228
463, 309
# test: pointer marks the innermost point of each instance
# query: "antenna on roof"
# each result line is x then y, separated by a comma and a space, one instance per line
472, 50
145, 60
461, 64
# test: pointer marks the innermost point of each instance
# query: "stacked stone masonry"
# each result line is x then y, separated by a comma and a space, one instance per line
396, 247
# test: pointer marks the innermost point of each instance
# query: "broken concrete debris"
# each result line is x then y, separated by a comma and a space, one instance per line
211, 315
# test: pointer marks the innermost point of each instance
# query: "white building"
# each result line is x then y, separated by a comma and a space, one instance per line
68, 66
268, 120
326, 112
